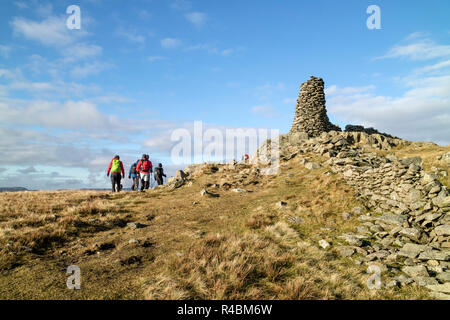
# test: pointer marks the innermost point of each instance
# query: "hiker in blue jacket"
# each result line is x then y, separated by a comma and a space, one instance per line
133, 174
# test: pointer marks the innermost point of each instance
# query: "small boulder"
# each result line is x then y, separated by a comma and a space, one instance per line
415, 271
135, 225
346, 215
324, 244
411, 233
281, 204
411, 250
345, 251
206, 193
312, 165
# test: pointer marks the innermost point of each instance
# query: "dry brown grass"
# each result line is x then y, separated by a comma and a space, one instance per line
236, 246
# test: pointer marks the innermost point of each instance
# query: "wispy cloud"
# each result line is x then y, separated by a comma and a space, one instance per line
290, 100
440, 66
417, 48
181, 5
5, 51
51, 32
198, 19
266, 91
89, 68
211, 49
156, 58
82, 51
265, 111
333, 89
170, 43
131, 36
20, 4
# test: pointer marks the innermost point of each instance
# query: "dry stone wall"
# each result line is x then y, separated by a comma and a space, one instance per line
406, 229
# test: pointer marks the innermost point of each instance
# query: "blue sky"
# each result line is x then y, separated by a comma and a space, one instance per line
137, 70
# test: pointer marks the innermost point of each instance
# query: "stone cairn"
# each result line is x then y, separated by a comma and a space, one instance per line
311, 114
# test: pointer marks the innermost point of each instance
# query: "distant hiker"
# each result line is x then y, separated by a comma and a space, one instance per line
134, 174
116, 168
144, 167
159, 174
245, 157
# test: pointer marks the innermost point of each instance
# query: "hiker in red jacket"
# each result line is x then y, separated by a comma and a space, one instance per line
144, 167
116, 167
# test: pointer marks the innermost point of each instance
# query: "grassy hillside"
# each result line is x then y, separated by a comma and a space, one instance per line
239, 245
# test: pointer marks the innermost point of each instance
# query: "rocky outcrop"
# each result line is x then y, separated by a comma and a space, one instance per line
310, 114
359, 128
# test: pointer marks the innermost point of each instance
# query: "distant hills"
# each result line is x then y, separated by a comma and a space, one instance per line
13, 189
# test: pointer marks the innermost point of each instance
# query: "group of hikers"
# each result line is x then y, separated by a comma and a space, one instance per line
140, 172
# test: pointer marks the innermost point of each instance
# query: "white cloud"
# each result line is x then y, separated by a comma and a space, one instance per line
416, 35
169, 43
132, 36
156, 58
435, 67
5, 51
213, 49
268, 90
71, 115
31, 86
333, 89
87, 69
45, 9
43, 89
51, 31
417, 48
290, 100
196, 18
20, 4
265, 111
81, 51
181, 5
110, 98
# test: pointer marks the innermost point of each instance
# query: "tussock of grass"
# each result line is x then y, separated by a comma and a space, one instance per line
93, 207
260, 218
226, 267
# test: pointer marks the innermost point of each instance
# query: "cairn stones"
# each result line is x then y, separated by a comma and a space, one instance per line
311, 114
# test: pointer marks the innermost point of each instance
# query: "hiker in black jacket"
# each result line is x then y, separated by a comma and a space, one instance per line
159, 174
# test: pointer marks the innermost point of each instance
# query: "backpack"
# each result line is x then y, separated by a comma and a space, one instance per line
116, 166
146, 165
133, 169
